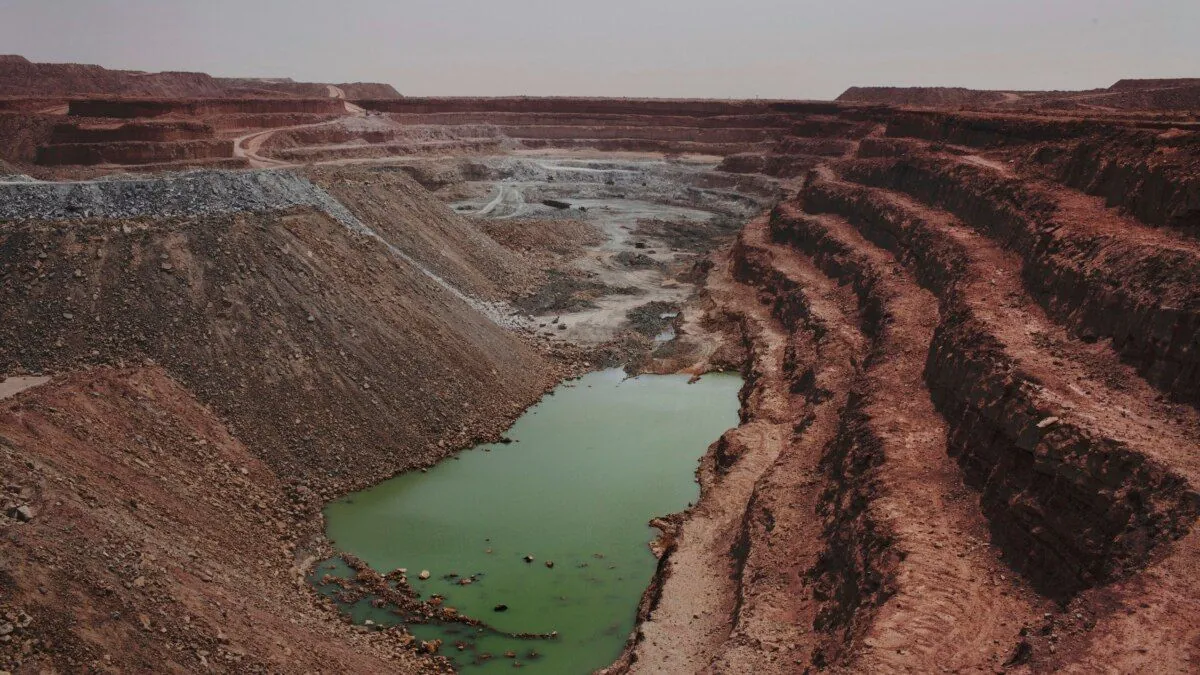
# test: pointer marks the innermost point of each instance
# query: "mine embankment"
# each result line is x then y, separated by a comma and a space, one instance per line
968, 432
129, 108
821, 462
944, 567
513, 119
809, 142
685, 617
339, 342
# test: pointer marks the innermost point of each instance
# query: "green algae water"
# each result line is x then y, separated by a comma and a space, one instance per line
591, 466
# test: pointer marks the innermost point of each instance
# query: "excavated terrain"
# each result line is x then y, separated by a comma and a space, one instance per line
968, 323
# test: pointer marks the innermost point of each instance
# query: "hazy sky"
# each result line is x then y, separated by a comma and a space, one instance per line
707, 48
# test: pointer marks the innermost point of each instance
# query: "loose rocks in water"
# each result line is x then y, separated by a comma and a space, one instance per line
529, 558
550, 564
423, 575
500, 608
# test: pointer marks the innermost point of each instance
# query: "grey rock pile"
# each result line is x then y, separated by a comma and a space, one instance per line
193, 194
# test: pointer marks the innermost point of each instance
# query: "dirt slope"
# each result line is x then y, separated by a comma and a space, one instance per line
412, 219
158, 542
311, 339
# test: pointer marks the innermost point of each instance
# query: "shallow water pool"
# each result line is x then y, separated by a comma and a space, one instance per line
591, 465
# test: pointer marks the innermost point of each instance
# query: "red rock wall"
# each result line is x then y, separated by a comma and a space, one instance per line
22, 104
1140, 296
1155, 177
1063, 501
147, 132
131, 108
21, 134
690, 134
753, 121
132, 152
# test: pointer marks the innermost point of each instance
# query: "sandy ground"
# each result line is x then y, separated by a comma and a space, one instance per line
14, 385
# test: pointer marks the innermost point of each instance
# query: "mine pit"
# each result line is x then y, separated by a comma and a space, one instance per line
303, 377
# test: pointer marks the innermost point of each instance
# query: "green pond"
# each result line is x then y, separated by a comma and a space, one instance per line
591, 465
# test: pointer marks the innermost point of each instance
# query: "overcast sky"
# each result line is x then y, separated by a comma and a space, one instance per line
703, 48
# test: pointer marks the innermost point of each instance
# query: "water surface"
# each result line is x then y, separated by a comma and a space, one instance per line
591, 465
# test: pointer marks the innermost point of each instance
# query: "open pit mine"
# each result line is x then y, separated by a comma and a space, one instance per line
315, 377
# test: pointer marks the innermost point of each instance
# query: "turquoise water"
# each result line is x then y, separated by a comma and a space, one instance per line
591, 466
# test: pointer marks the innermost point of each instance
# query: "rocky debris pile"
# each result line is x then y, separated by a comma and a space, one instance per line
566, 292
193, 194
635, 260
653, 318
